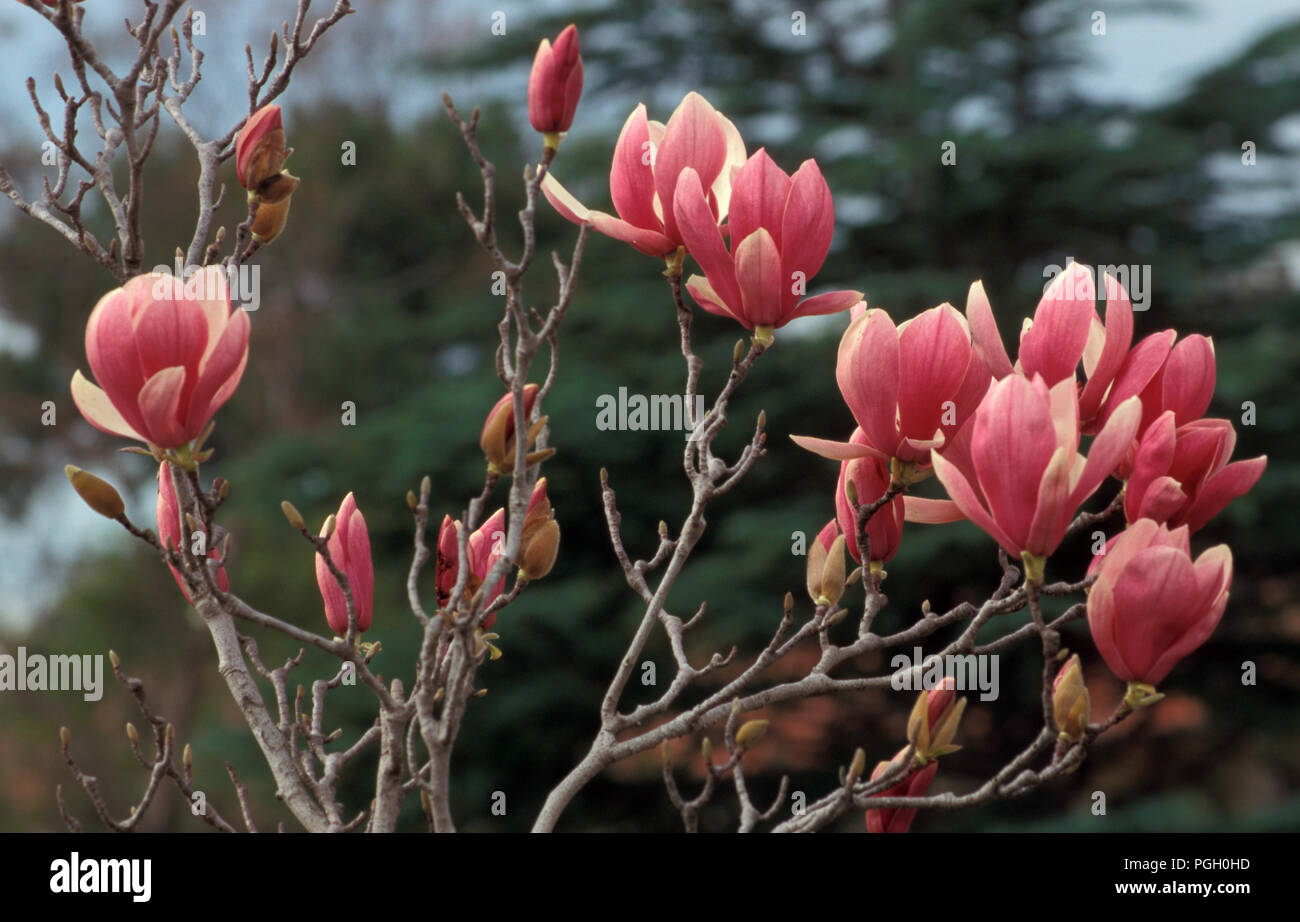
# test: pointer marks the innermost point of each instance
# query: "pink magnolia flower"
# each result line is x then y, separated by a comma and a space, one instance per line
170, 531
780, 229
166, 355
870, 478
1151, 605
349, 548
899, 819
1065, 331
1181, 475
1015, 469
909, 388
648, 159
486, 544
1183, 384
555, 83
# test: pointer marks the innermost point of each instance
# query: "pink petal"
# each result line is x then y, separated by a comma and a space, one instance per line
632, 178
1162, 498
699, 230
836, 451
159, 407
758, 198
1108, 449
807, 225
708, 299
1153, 458
964, 497
931, 511
934, 352
866, 369
541, 80
1235, 480
563, 201
1118, 337
1188, 378
1054, 344
649, 242
1053, 511
985, 337
758, 274
831, 302
98, 410
111, 351
693, 138
1152, 595
721, 188
221, 372
1011, 445
1140, 366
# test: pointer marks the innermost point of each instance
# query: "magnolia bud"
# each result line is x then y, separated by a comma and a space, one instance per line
750, 733
1070, 704
498, 436
934, 720
269, 220
292, 514
132, 734
539, 556
99, 494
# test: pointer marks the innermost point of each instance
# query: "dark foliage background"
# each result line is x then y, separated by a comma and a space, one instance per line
376, 294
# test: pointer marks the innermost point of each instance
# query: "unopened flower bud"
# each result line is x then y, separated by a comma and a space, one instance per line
539, 556
934, 720
98, 494
270, 220
750, 733
498, 436
1070, 704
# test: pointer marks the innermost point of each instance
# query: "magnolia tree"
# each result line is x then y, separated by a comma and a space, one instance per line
936, 394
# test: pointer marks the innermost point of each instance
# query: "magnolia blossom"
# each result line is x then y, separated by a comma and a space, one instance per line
497, 438
166, 355
485, 545
1065, 331
1015, 469
648, 159
171, 533
899, 819
825, 571
349, 548
870, 478
909, 387
555, 83
1151, 605
1181, 475
780, 229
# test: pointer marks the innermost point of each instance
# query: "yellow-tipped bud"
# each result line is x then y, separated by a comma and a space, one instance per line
750, 733
292, 514
132, 733
1070, 704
